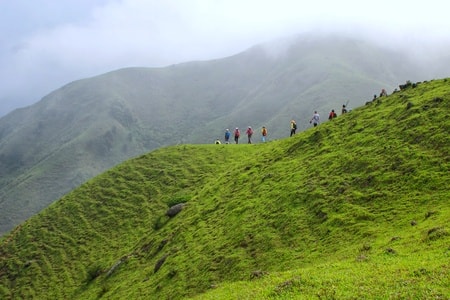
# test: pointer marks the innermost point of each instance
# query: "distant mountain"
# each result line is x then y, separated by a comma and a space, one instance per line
90, 125
356, 208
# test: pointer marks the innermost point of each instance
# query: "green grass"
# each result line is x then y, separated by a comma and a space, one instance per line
90, 125
357, 208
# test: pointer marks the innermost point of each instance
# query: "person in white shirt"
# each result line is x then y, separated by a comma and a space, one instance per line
315, 119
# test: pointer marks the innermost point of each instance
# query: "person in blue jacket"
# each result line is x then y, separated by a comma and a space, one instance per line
227, 136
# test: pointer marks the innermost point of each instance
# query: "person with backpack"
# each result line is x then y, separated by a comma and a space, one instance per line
263, 134
315, 119
237, 134
227, 136
249, 133
344, 109
293, 127
332, 115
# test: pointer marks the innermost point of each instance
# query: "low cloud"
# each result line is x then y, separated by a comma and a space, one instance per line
85, 38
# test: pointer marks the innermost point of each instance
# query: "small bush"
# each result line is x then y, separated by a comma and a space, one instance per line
178, 199
436, 233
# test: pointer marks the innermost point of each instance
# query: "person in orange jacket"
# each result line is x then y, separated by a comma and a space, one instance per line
263, 134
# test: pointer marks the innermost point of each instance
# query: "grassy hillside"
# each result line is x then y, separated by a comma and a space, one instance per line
358, 207
90, 125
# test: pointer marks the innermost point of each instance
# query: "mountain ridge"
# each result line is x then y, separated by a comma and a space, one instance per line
356, 207
92, 124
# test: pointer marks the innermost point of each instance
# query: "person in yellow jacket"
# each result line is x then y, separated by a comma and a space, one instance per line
263, 134
293, 127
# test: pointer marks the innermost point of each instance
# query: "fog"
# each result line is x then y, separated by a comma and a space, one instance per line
48, 43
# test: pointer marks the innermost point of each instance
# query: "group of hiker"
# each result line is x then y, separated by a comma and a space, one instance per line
249, 132
316, 118
237, 134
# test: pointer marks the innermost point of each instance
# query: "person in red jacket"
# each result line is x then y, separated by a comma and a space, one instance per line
249, 133
332, 115
237, 134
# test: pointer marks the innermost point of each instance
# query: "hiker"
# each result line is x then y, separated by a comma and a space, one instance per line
263, 134
293, 127
227, 136
237, 134
315, 119
332, 115
217, 142
249, 133
383, 93
344, 109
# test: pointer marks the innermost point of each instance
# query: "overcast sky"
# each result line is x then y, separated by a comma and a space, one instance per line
45, 44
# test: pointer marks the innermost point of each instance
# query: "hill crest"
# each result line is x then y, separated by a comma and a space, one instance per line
88, 126
366, 191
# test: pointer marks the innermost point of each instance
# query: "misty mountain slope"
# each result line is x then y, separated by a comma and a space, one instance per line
90, 125
355, 208
311, 74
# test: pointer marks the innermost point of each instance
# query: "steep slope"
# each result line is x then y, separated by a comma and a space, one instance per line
90, 125
355, 208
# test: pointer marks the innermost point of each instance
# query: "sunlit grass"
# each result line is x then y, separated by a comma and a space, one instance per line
355, 208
